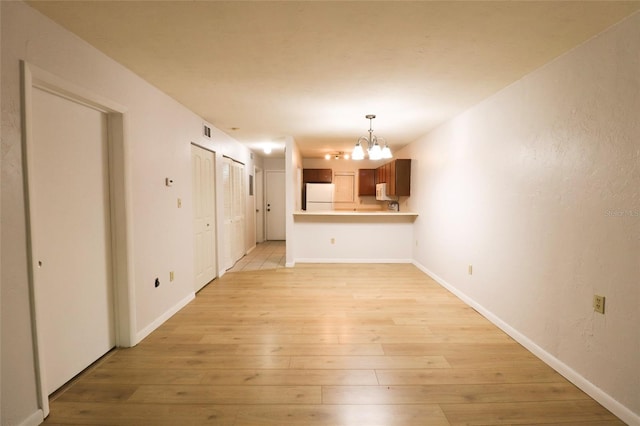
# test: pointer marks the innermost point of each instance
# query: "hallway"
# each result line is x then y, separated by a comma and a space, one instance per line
266, 255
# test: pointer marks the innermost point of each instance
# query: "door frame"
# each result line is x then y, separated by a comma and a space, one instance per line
259, 204
120, 209
215, 208
284, 197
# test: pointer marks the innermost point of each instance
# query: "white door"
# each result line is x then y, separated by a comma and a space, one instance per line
275, 205
71, 236
238, 210
259, 185
203, 178
344, 183
234, 211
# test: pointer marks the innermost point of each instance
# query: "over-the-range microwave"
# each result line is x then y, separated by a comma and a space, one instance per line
381, 193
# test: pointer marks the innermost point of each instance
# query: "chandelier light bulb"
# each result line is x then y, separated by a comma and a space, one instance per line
386, 152
375, 153
358, 152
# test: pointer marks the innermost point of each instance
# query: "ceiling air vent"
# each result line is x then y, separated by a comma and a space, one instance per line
207, 131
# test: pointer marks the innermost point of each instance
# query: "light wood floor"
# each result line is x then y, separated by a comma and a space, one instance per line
325, 345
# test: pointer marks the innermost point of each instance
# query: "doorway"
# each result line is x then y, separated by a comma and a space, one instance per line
76, 191
275, 205
259, 191
234, 211
70, 181
204, 215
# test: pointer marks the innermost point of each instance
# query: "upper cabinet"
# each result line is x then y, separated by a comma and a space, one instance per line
317, 175
397, 175
366, 182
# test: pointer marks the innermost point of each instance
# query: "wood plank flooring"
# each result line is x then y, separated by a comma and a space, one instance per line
325, 345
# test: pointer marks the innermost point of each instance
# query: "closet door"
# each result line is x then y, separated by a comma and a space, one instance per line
71, 236
234, 211
203, 174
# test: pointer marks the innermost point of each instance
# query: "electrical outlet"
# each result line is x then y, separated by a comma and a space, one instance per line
333, 241
171, 276
598, 303
179, 203
470, 269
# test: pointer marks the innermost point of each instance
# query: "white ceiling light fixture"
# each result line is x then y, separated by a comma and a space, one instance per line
267, 149
337, 156
372, 142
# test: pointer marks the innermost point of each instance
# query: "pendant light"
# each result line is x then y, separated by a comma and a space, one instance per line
374, 150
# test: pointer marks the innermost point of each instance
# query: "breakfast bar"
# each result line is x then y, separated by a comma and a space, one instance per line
343, 236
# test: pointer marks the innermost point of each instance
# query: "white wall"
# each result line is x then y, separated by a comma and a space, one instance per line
270, 163
158, 133
356, 239
538, 188
1, 155
258, 163
293, 185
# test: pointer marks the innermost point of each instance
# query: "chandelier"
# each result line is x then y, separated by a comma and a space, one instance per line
372, 143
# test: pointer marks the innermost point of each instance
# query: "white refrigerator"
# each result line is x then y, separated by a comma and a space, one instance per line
319, 196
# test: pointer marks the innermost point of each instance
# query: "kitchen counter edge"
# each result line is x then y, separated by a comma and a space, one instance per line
353, 213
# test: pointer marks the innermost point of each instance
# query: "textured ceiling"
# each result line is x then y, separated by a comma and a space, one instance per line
262, 70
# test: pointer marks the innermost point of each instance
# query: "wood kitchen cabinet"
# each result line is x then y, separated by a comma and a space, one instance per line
397, 175
381, 175
366, 182
317, 175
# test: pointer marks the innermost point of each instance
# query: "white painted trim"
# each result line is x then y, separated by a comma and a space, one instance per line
289, 264
27, 89
343, 260
120, 202
162, 318
570, 374
52, 83
34, 419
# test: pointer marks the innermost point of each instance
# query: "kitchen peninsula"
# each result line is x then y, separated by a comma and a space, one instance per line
342, 236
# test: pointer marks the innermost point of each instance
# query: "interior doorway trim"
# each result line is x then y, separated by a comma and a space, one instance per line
259, 204
120, 202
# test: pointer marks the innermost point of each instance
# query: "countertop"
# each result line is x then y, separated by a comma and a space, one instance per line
326, 213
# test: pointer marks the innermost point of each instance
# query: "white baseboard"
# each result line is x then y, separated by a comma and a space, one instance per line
162, 318
625, 414
289, 264
33, 420
342, 260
